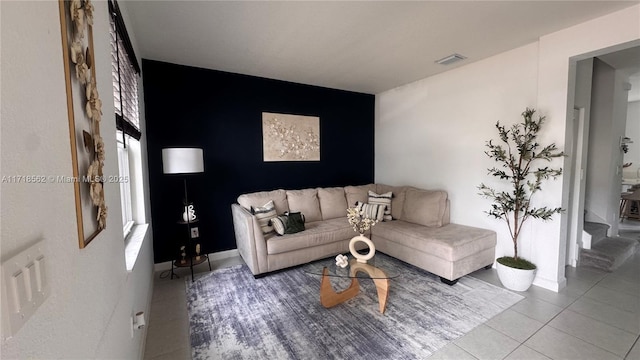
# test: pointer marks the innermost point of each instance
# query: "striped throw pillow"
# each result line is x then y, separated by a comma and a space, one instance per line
371, 211
382, 199
279, 223
264, 214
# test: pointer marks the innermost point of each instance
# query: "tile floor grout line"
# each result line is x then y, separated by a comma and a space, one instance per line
637, 342
456, 345
600, 321
573, 336
521, 345
593, 318
567, 308
544, 324
550, 320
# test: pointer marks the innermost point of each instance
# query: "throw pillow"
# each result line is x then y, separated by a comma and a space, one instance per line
399, 195
357, 193
264, 214
279, 198
371, 211
288, 223
382, 199
279, 223
295, 223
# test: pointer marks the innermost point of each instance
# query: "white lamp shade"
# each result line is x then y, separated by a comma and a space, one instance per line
182, 161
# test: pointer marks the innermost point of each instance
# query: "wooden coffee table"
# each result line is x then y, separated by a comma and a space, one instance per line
373, 269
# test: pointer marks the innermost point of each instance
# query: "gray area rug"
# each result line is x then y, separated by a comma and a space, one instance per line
234, 316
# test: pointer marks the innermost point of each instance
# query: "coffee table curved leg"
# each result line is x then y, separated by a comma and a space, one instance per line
382, 285
329, 297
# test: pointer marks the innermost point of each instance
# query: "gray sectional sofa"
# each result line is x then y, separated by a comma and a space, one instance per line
420, 233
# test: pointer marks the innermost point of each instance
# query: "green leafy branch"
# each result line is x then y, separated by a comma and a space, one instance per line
515, 154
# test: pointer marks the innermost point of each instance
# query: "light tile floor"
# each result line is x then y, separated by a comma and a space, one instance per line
168, 332
597, 316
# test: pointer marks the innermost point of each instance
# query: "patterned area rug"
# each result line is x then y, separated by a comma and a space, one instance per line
234, 316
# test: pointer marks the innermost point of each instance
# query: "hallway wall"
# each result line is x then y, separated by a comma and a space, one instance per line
93, 296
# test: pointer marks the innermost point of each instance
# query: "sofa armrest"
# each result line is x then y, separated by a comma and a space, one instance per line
249, 239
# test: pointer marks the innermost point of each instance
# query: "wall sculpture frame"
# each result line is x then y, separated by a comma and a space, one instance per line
84, 109
287, 137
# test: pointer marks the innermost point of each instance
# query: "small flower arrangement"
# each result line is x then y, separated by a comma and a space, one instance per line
358, 221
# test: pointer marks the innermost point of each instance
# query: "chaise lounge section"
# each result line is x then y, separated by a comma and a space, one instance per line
419, 234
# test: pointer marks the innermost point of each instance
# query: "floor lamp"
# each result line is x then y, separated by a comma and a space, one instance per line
184, 161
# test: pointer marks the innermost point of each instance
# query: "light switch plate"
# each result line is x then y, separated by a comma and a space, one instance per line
195, 233
24, 287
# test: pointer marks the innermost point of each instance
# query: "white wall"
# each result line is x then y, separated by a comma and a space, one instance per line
605, 157
92, 295
633, 131
555, 97
431, 133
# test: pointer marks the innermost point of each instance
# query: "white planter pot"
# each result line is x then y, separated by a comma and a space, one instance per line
515, 279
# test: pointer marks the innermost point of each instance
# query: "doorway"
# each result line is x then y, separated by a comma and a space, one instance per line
595, 160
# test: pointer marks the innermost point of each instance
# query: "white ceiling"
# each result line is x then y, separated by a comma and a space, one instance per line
359, 46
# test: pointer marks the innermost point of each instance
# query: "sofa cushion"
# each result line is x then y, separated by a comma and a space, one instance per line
382, 199
305, 201
264, 214
397, 201
425, 207
279, 198
316, 233
333, 203
451, 242
358, 193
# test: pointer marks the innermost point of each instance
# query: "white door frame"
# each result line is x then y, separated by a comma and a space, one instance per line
575, 210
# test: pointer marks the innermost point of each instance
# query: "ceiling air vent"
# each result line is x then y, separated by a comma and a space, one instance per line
451, 59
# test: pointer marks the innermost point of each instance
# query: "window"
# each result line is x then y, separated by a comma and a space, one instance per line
125, 186
125, 73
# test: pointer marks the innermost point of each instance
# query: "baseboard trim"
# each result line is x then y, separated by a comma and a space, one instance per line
220, 255
148, 312
555, 286
224, 254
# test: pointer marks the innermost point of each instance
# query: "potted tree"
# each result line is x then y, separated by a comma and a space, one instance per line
516, 153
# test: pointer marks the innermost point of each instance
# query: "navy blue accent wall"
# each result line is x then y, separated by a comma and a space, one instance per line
222, 113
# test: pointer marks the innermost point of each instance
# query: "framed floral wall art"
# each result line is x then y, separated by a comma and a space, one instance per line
85, 114
290, 137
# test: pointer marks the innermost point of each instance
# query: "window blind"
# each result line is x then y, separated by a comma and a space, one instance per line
125, 71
